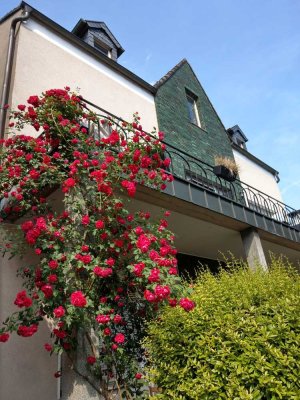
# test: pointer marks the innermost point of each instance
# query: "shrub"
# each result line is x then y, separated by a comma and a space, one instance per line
240, 342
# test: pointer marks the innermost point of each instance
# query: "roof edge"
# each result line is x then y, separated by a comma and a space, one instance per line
169, 74
34, 13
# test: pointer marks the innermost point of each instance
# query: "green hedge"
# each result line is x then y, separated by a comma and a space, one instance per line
242, 341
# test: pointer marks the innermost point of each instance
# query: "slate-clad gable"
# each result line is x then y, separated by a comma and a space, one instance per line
172, 113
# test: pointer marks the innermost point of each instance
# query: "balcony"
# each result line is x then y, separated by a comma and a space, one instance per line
196, 182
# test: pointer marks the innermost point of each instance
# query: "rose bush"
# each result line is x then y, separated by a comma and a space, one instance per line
102, 270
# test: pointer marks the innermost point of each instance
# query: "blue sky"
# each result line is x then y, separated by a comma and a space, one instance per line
245, 53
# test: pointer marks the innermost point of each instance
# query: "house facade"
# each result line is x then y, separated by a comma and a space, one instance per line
210, 215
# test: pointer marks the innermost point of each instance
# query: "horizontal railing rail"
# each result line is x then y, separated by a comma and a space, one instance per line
199, 173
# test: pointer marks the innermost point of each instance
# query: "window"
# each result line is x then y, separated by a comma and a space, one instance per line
192, 108
102, 47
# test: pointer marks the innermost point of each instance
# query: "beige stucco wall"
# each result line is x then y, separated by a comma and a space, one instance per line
256, 176
44, 60
26, 369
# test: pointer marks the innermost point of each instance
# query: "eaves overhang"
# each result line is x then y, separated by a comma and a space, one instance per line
70, 37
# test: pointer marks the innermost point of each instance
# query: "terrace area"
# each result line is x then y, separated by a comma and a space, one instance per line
195, 182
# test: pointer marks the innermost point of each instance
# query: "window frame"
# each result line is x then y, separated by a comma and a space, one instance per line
102, 47
192, 107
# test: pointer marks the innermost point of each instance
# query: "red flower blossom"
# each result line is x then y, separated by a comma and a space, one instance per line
34, 100
47, 290
106, 332
48, 347
53, 264
130, 187
119, 338
52, 278
103, 319
91, 360
68, 184
149, 296
59, 312
99, 224
162, 291
22, 300
103, 272
78, 299
154, 275
85, 220
27, 331
187, 304
138, 375
143, 243
4, 337
118, 319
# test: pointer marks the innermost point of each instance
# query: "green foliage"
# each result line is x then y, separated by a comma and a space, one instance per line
240, 342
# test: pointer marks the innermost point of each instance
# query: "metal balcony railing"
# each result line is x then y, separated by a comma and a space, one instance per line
199, 173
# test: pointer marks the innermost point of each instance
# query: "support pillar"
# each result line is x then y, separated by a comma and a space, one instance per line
253, 249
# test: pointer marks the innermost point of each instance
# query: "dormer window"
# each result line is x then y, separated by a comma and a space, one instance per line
192, 108
97, 35
238, 137
100, 46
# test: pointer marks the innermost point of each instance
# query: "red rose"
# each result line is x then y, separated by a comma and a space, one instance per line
149, 296
85, 220
110, 261
91, 360
27, 331
99, 224
103, 272
34, 174
186, 304
138, 375
21, 107
119, 338
59, 312
130, 187
143, 243
106, 332
162, 291
173, 302
47, 290
78, 299
4, 337
68, 183
47, 347
138, 269
22, 300
154, 275
52, 278
59, 334
118, 319
33, 100
53, 264
102, 318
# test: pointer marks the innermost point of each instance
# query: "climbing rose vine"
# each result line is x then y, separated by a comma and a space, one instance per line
102, 270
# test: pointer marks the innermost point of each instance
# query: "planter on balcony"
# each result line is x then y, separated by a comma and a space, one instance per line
223, 172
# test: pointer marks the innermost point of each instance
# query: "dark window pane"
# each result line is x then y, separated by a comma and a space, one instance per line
191, 104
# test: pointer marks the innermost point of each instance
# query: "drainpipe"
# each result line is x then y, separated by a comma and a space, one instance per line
8, 70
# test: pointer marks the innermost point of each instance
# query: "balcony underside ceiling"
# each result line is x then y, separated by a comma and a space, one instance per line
204, 232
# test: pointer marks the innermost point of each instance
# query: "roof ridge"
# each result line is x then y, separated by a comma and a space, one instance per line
170, 73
